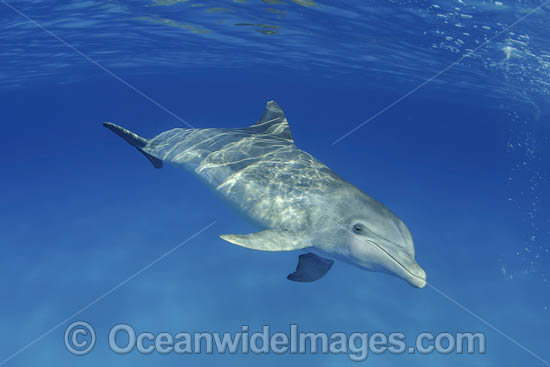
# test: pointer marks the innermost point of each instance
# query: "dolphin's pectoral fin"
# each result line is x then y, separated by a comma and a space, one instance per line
268, 240
310, 268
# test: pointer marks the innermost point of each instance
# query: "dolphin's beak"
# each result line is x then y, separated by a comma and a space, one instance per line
402, 265
418, 276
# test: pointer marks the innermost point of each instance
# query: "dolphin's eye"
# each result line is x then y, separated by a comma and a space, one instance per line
359, 228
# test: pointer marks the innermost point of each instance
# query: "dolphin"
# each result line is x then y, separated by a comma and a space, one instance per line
298, 201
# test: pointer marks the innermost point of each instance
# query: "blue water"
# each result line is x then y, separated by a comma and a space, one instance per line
462, 160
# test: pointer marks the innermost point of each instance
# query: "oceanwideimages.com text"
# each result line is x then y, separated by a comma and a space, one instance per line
80, 339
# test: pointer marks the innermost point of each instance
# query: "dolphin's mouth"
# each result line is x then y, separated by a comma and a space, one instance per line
416, 280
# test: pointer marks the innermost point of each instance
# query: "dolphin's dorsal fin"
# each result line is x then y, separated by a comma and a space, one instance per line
273, 122
268, 240
310, 268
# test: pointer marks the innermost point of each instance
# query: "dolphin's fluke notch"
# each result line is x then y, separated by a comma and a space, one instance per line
135, 140
310, 268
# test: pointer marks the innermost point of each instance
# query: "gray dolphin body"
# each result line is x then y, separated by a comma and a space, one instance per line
299, 201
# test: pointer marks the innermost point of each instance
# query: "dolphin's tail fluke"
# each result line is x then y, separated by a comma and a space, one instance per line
135, 140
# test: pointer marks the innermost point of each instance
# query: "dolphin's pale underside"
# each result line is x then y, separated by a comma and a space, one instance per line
300, 202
